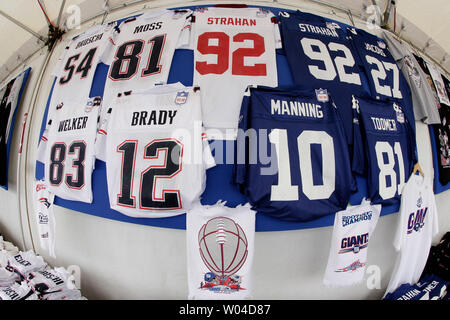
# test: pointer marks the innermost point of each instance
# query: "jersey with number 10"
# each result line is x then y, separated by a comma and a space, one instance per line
233, 48
383, 148
307, 173
320, 56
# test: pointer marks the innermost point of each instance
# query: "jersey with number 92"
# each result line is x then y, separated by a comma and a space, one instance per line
383, 148
309, 174
233, 48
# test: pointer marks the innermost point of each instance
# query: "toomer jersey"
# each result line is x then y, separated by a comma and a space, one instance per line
383, 148
141, 51
296, 164
233, 48
67, 149
320, 56
385, 79
155, 150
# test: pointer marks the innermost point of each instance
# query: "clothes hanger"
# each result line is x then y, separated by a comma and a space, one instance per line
418, 168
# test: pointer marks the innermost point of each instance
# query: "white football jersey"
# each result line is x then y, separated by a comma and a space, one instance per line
155, 150
142, 50
76, 66
25, 262
417, 225
220, 246
233, 48
349, 245
67, 149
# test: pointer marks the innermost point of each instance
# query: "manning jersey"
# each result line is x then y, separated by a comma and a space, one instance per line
296, 164
233, 48
76, 66
67, 149
141, 51
155, 150
320, 56
383, 148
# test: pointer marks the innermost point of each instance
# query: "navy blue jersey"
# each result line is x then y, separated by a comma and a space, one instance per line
320, 56
292, 160
385, 79
383, 148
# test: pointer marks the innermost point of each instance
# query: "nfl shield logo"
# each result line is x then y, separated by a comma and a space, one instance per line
181, 97
322, 95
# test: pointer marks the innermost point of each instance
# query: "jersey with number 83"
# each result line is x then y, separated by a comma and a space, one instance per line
383, 148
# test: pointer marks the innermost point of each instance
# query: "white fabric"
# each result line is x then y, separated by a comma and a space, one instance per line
417, 225
45, 219
349, 244
50, 280
73, 129
13, 98
439, 84
228, 57
15, 292
220, 248
26, 262
141, 122
173, 25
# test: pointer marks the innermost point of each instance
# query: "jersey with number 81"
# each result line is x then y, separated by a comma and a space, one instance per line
383, 148
67, 149
233, 48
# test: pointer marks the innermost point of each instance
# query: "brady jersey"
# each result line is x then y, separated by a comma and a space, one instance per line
233, 48
155, 150
385, 79
67, 149
296, 164
76, 66
142, 49
320, 56
383, 148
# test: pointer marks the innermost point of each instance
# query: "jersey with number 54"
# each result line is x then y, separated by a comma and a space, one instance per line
383, 148
155, 150
297, 162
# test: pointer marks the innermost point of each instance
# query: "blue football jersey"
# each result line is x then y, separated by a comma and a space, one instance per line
293, 161
386, 81
320, 56
383, 148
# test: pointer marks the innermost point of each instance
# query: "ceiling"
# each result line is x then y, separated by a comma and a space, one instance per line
423, 25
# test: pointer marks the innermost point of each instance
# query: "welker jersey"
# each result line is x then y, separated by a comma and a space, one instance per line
320, 56
385, 79
142, 49
155, 150
67, 149
300, 169
383, 148
233, 48
76, 66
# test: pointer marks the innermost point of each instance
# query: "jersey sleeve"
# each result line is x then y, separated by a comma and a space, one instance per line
102, 135
43, 144
358, 157
108, 49
184, 39
208, 158
277, 33
435, 222
57, 70
240, 163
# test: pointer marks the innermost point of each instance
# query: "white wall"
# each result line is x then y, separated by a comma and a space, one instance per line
127, 261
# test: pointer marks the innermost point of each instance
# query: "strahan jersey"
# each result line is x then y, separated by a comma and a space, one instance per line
67, 149
320, 56
383, 148
76, 66
220, 247
296, 164
385, 79
233, 48
141, 51
155, 150
417, 225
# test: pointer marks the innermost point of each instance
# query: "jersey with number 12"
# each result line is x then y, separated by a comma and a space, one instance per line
233, 48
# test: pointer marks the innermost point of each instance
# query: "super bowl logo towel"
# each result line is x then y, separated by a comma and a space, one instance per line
348, 254
220, 242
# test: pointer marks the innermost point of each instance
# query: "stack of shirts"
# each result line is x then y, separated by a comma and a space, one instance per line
430, 287
26, 276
